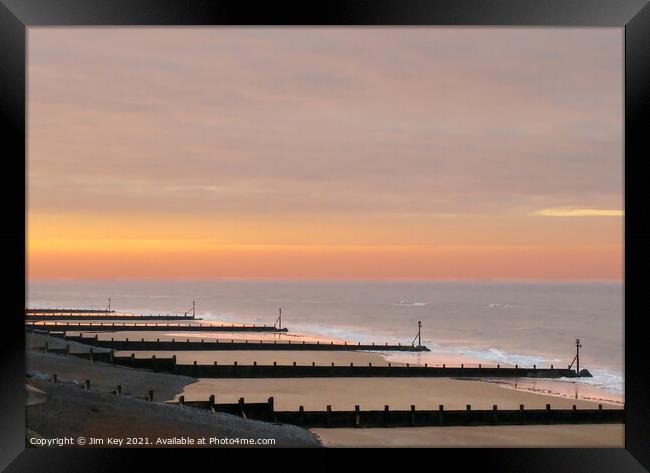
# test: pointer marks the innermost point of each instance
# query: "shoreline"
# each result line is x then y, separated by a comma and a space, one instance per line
440, 352
341, 393
553, 388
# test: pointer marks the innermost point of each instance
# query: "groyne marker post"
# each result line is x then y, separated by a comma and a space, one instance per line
576, 359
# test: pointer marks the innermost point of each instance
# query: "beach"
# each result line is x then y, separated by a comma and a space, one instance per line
375, 393
316, 394
554, 436
340, 237
500, 322
68, 410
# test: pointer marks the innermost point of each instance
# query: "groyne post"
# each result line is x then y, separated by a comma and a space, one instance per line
151, 394
271, 403
357, 416
242, 412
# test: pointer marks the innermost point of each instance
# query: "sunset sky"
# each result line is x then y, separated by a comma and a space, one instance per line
345, 153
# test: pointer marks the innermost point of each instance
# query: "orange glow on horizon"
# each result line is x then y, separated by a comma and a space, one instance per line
313, 262
355, 153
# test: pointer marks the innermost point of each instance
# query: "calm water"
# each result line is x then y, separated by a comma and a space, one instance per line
524, 323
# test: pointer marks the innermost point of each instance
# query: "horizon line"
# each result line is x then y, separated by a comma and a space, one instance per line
316, 279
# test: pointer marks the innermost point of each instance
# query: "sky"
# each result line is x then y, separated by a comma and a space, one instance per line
325, 153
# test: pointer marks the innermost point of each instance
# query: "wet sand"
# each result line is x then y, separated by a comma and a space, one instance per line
374, 393
344, 394
560, 436
223, 337
424, 393
268, 357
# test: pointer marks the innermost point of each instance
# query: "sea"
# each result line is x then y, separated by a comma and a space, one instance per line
524, 323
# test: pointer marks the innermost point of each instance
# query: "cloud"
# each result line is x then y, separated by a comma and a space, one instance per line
564, 212
326, 136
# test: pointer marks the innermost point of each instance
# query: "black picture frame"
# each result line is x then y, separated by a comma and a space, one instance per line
633, 15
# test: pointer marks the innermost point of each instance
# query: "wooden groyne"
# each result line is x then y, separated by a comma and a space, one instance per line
106, 316
356, 371
220, 345
294, 370
67, 311
158, 327
439, 417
